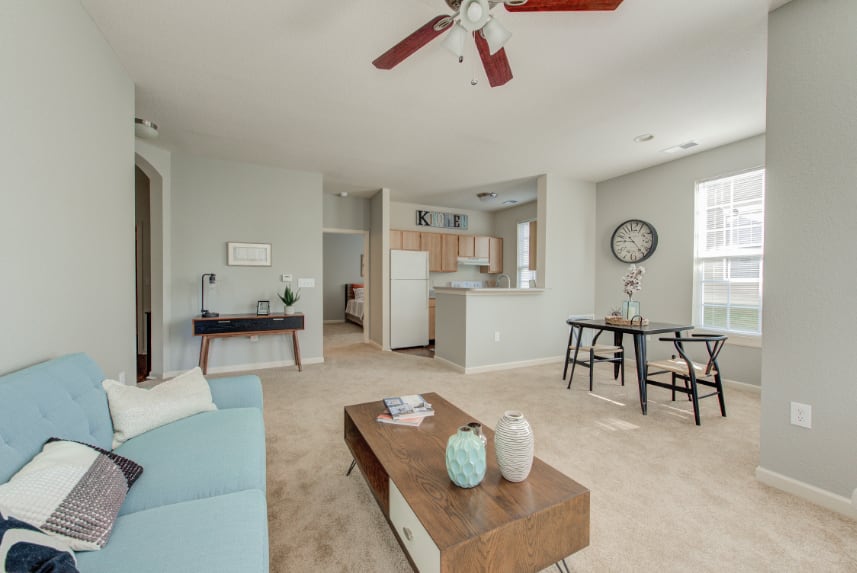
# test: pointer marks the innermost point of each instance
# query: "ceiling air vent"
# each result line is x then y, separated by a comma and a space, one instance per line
681, 147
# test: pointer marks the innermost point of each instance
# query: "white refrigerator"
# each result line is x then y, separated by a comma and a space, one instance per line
409, 290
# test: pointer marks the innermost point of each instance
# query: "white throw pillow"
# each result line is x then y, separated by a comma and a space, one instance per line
358, 294
137, 410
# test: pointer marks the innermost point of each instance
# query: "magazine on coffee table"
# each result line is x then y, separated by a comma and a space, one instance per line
386, 418
411, 406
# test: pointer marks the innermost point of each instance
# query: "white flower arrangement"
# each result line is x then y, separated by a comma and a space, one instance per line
632, 280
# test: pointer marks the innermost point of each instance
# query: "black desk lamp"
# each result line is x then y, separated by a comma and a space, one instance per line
212, 279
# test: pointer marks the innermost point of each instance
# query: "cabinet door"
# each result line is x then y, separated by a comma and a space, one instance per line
534, 235
466, 246
495, 256
432, 243
411, 240
432, 315
482, 247
396, 240
449, 253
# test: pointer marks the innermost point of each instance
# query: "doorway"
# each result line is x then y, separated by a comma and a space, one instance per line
346, 287
143, 267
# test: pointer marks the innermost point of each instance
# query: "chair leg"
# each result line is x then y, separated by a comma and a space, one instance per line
695, 395
720, 397
622, 366
568, 352
673, 378
591, 368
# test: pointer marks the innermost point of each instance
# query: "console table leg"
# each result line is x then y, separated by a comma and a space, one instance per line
203, 354
351, 467
297, 348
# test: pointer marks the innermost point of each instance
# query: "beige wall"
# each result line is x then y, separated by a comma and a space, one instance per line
810, 269
67, 216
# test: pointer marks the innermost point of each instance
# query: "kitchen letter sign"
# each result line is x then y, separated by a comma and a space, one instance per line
443, 220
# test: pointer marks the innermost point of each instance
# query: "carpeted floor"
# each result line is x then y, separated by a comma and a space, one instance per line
666, 495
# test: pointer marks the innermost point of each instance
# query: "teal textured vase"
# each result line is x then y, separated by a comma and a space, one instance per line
465, 458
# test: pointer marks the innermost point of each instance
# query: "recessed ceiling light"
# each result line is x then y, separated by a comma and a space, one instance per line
343, 194
644, 137
509, 202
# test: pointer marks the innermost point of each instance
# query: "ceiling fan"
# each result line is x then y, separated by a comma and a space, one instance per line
474, 16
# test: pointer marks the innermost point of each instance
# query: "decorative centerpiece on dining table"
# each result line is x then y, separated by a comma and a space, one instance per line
632, 283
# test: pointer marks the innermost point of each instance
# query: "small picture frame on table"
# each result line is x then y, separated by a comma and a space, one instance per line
263, 308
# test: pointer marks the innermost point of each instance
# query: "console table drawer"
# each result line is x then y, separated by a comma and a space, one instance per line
421, 548
261, 324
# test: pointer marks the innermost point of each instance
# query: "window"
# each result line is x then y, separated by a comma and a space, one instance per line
730, 225
525, 275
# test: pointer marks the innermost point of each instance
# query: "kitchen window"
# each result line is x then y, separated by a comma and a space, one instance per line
525, 275
729, 254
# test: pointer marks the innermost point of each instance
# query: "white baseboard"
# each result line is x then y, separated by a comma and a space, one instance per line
501, 366
816, 495
340, 321
743, 385
254, 366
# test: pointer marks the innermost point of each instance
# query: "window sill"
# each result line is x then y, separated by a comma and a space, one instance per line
734, 339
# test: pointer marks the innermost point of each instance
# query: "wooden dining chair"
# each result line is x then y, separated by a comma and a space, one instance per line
692, 373
593, 354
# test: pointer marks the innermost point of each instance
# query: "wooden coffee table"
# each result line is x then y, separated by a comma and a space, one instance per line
497, 526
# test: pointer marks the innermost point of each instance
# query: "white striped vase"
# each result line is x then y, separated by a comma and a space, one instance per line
513, 443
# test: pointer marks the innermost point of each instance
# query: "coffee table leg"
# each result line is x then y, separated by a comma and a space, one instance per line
351, 467
567, 570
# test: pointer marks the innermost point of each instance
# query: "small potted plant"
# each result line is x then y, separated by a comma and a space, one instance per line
289, 298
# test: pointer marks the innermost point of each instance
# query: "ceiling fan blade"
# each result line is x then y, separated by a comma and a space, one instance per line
564, 5
497, 66
401, 51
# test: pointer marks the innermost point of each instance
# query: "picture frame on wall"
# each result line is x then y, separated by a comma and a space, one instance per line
248, 254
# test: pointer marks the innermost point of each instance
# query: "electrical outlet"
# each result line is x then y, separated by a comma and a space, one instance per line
801, 415
122, 377
254, 338
497, 336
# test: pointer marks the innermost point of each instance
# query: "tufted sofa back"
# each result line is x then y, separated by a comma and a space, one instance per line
62, 397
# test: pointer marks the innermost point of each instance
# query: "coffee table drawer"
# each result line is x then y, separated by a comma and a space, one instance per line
421, 548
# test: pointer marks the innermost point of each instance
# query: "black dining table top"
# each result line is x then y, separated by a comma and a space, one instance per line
651, 328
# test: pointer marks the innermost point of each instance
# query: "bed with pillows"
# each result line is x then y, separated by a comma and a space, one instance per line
355, 298
100, 477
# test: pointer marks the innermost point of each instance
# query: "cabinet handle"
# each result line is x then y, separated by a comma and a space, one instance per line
224, 322
276, 319
409, 535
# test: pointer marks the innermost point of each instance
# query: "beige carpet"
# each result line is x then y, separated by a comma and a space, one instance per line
666, 495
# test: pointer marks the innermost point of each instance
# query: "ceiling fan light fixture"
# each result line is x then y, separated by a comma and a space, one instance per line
496, 35
474, 14
454, 41
487, 196
145, 128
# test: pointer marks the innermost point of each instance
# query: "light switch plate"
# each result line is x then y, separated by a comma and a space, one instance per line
286, 278
306, 283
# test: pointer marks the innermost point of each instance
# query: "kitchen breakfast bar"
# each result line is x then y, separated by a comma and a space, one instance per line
484, 329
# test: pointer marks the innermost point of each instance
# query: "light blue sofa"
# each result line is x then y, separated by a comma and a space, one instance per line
199, 505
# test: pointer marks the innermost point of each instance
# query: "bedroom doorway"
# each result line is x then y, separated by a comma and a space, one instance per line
346, 287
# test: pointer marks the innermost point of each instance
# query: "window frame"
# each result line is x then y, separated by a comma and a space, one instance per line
736, 337
518, 252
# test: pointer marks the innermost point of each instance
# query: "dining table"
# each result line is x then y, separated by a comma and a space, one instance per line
639, 332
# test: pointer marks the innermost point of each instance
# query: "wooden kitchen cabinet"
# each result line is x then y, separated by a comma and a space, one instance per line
449, 253
411, 241
395, 240
432, 303
495, 256
482, 247
433, 243
466, 246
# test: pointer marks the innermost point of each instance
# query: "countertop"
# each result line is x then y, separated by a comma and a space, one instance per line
487, 291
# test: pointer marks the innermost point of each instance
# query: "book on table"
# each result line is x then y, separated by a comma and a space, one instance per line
386, 418
411, 406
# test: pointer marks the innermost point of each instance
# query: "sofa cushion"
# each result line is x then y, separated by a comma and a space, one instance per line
201, 456
62, 397
138, 410
27, 549
71, 490
220, 534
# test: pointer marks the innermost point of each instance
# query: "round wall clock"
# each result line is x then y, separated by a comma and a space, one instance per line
634, 241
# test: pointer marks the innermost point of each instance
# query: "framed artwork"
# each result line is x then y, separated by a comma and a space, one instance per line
248, 254
263, 308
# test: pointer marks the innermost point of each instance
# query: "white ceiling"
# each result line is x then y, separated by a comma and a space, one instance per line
290, 83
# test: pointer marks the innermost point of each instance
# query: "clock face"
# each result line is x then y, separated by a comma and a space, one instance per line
634, 241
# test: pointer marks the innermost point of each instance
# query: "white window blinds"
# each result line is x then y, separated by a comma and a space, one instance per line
730, 224
525, 275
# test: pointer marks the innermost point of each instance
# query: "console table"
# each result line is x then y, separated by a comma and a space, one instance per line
229, 325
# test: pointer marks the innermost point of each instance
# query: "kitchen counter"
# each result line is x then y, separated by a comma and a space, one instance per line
487, 291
